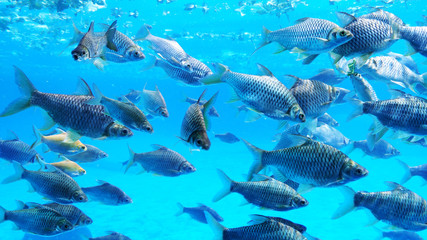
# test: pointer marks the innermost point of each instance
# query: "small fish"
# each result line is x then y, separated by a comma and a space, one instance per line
400, 235
126, 112
163, 161
284, 139
40, 220
55, 185
107, 194
212, 111
416, 36
69, 111
133, 96
363, 88
92, 45
198, 213
227, 137
309, 163
328, 76
330, 136
399, 207
70, 212
70, 168
263, 94
300, 228
153, 103
196, 123
382, 149
410, 172
328, 119
19, 151
112, 236
269, 193
263, 228
90, 155
309, 37
62, 142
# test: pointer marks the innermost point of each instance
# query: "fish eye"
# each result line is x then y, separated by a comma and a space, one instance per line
66, 227
199, 142
342, 33
124, 132
302, 117
303, 202
81, 198
84, 52
148, 129
359, 171
83, 147
88, 221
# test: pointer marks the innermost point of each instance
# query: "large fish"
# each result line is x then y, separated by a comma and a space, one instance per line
17, 150
153, 103
309, 37
399, 207
196, 123
107, 194
309, 162
263, 94
163, 161
381, 149
54, 185
69, 111
90, 155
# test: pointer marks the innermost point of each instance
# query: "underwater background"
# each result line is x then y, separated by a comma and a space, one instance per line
33, 39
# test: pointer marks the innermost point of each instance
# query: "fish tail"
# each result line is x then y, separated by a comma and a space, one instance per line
111, 32
142, 33
131, 160
407, 175
348, 204
358, 111
180, 209
264, 35
27, 89
39, 137
257, 164
216, 76
216, 227
19, 170
97, 96
227, 184
77, 36
206, 108
20, 205
2, 214
152, 61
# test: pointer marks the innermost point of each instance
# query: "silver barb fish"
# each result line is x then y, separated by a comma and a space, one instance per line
399, 207
125, 112
417, 38
308, 162
90, 155
107, 194
328, 119
163, 161
268, 193
262, 94
112, 236
196, 123
262, 228
330, 136
153, 103
410, 172
17, 150
69, 111
54, 185
212, 111
133, 96
39, 220
198, 213
227, 137
381, 149
364, 90
309, 37
370, 36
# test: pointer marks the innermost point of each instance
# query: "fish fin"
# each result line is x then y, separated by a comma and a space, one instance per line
97, 96
111, 32
19, 170
205, 110
345, 18
226, 189
264, 41
263, 70
72, 137
26, 88
20, 205
77, 36
38, 136
252, 116
371, 219
424, 82
305, 188
309, 59
301, 20
297, 50
411, 50
180, 209
142, 34
131, 160
244, 202
401, 135
393, 186
279, 175
258, 219
335, 57
214, 78
348, 204
98, 63
91, 29
398, 83
257, 164
152, 61
31, 189
309, 124
83, 88
360, 61
358, 111
100, 182
234, 97
280, 49
216, 227
3, 214
282, 124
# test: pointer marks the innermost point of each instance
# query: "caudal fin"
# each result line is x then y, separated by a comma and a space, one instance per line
180, 209
142, 33
216, 227
407, 175
257, 164
38, 136
348, 204
358, 111
77, 36
214, 78
131, 160
26, 88
97, 96
3, 214
226, 189
264, 41
19, 170
205, 110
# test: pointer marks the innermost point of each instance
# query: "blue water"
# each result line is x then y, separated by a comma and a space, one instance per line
34, 45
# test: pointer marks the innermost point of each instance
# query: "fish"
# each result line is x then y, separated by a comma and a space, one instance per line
370, 35
342, 95
73, 214
212, 111
285, 140
399, 207
328, 119
262, 229
69, 111
198, 213
125, 112
17, 150
385, 17
276, 101
381, 149
133, 96
399, 235
92, 45
364, 90
405, 114
299, 227
309, 163
162, 161
62, 142
190, 6
112, 236
269, 193
227, 137
309, 37
330, 136
405, 60
39, 220
328, 76
196, 123
420, 170
107, 193
153, 103
54, 185
90, 155
167, 49
389, 70
416, 36
70, 168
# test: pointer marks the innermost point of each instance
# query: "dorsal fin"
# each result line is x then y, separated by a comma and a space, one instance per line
297, 79
264, 70
302, 20
83, 88
91, 28
158, 147
201, 96
345, 18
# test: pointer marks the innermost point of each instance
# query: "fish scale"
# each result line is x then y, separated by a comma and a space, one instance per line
70, 212
154, 103
16, 150
417, 37
384, 16
108, 194
193, 121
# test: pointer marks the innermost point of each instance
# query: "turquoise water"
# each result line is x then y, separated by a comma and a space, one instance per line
34, 44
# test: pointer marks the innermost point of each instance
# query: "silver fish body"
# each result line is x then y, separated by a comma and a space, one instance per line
363, 88
127, 50
107, 194
91, 154
153, 103
417, 37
